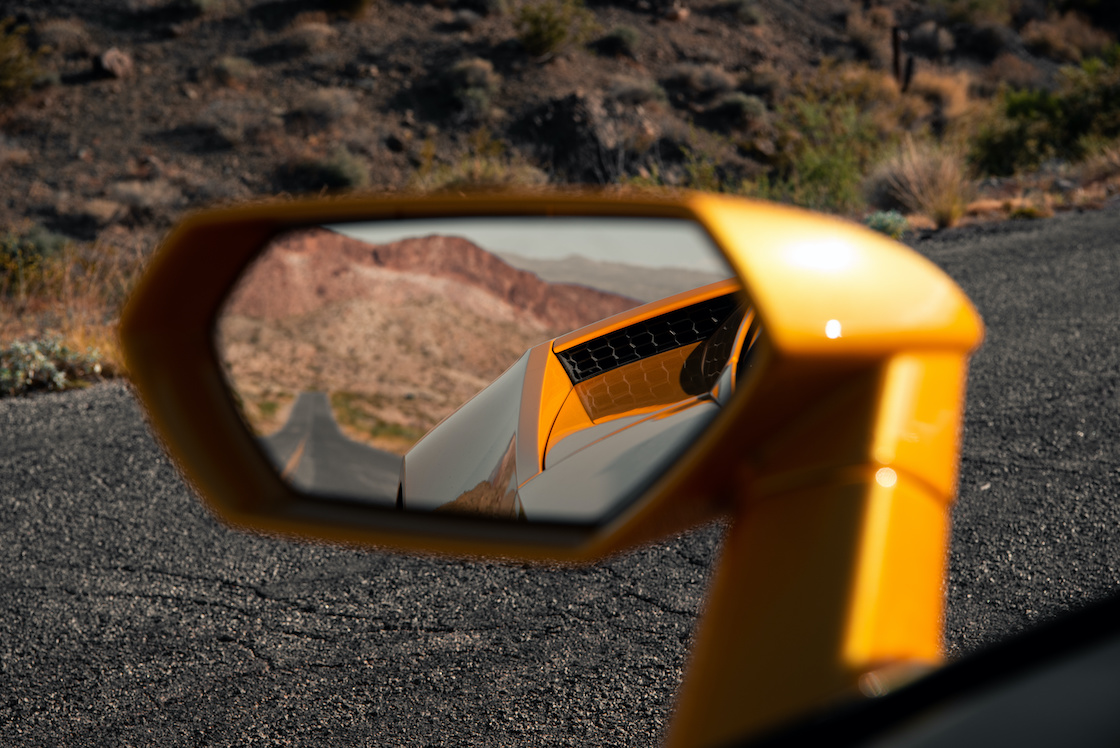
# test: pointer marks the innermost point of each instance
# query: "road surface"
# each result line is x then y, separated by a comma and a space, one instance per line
129, 616
312, 452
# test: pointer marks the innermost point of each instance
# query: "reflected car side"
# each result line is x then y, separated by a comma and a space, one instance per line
606, 404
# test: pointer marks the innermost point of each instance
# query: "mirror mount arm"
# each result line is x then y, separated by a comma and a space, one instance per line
833, 581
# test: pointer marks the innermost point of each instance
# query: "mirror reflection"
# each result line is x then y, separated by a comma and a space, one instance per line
543, 369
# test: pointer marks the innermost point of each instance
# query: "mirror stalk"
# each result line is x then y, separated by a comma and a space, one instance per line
824, 585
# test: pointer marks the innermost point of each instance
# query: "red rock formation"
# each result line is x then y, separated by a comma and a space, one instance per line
308, 269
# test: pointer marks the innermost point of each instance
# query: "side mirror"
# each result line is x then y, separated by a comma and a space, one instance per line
797, 374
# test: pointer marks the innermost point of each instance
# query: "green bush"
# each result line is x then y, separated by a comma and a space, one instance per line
827, 146
1032, 127
19, 68
889, 222
45, 364
549, 26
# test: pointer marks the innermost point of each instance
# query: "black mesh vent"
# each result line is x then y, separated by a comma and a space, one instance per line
644, 339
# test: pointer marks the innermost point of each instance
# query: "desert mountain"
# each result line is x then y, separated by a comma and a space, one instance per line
642, 283
400, 334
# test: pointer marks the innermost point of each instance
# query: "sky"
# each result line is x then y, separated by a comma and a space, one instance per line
650, 242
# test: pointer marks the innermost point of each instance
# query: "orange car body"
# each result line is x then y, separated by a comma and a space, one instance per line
642, 382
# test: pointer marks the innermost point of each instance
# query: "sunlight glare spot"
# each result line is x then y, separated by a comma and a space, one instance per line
886, 477
832, 329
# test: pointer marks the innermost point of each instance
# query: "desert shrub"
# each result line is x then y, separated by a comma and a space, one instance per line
826, 144
621, 41
26, 259
546, 27
1012, 71
747, 11
19, 68
1033, 126
923, 178
65, 36
635, 91
1026, 211
1066, 38
325, 107
693, 82
339, 171
233, 71
45, 364
472, 84
231, 122
975, 11
737, 109
889, 222
307, 37
487, 163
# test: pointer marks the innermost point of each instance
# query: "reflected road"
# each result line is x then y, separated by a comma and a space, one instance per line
317, 457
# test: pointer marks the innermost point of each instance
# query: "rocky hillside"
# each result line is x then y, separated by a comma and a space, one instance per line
399, 333
140, 109
117, 116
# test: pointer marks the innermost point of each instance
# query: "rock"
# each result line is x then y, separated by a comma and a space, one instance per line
576, 132
114, 63
932, 40
677, 13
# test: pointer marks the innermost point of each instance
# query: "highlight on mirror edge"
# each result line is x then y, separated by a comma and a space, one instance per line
595, 351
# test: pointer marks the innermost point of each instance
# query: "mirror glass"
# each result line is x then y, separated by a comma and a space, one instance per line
535, 369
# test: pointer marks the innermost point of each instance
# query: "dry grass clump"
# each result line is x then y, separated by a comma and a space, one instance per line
634, 91
53, 289
700, 82
1012, 71
924, 178
325, 107
304, 38
234, 72
231, 122
1102, 164
487, 163
1066, 38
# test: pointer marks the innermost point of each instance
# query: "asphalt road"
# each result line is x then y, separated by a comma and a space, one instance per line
128, 616
314, 454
